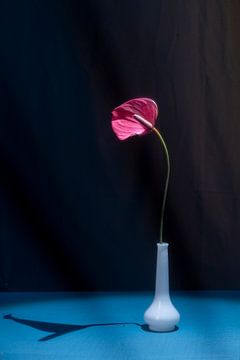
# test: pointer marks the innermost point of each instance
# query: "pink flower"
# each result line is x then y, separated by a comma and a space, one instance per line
134, 117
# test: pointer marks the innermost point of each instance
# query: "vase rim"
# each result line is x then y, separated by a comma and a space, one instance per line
163, 244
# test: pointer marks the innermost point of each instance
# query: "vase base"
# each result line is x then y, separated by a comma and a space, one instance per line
158, 329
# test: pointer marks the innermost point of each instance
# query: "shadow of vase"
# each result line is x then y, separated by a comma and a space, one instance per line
58, 329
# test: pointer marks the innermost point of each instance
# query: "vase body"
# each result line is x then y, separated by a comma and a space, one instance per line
161, 314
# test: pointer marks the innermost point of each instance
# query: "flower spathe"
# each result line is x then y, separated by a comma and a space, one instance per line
134, 117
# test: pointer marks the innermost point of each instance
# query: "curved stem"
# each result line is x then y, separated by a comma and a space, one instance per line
166, 183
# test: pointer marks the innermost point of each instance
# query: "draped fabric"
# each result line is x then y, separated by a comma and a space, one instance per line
81, 210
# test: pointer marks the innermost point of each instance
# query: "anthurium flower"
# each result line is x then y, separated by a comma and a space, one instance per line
138, 117
134, 117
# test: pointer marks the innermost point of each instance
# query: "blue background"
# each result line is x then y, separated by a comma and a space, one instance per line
209, 327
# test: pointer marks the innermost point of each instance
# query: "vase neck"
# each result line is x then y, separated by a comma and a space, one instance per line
162, 277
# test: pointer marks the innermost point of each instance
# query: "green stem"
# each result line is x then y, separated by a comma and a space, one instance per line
166, 183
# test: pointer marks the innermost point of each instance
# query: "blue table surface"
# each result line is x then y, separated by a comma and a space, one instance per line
110, 326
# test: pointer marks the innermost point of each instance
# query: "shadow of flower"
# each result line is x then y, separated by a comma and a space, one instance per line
56, 329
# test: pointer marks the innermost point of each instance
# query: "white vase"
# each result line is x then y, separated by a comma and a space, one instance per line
161, 314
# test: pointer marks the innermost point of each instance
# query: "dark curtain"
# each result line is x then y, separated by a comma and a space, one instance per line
81, 210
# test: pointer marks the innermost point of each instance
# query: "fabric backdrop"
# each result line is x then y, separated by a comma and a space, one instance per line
81, 210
